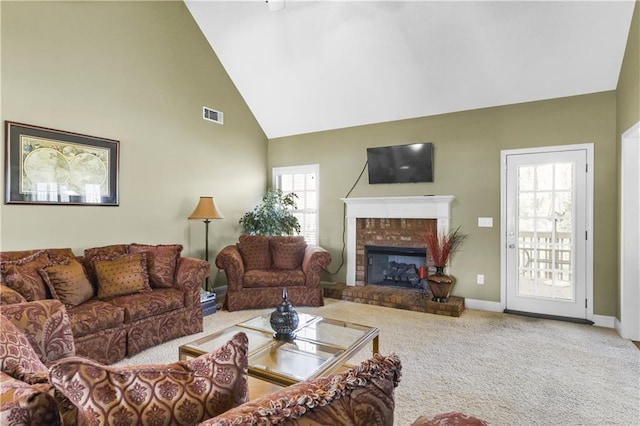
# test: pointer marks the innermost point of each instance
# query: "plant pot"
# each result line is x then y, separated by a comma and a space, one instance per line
440, 285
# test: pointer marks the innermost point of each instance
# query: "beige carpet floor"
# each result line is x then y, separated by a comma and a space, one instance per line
506, 369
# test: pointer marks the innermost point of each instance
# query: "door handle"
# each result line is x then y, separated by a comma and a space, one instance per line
512, 246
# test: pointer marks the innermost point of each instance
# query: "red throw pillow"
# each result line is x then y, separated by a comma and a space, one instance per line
22, 275
162, 261
287, 252
254, 250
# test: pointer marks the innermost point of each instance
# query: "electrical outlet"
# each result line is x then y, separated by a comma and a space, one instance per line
480, 279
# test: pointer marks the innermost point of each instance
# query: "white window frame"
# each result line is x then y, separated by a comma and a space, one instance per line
302, 169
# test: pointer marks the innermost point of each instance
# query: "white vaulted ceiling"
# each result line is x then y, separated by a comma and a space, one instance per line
317, 66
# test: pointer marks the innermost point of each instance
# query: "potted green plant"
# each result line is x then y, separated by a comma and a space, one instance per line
272, 216
440, 249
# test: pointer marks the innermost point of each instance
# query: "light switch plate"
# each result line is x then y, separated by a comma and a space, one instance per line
485, 222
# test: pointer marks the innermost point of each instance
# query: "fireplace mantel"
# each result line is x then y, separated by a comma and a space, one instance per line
415, 207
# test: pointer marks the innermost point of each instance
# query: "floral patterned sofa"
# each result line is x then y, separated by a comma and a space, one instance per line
258, 267
361, 396
120, 299
42, 382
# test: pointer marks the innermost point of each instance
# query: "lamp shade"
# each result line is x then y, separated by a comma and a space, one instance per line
206, 209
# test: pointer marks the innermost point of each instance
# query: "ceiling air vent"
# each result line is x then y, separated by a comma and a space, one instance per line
211, 114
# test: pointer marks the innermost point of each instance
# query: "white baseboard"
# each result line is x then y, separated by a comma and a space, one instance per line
483, 305
618, 326
604, 321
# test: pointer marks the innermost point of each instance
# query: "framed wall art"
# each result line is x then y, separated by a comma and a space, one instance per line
47, 166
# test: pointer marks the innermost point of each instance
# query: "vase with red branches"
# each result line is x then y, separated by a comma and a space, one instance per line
440, 248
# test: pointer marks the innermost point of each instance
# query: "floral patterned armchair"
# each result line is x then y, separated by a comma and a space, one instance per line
258, 267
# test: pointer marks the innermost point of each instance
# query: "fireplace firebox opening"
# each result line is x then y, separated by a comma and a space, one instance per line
394, 266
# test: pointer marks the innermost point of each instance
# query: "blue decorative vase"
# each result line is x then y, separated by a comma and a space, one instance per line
284, 320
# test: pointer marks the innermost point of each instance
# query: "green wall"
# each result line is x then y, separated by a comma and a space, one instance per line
140, 73
467, 149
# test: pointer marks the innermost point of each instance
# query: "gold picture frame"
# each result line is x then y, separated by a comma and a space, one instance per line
47, 166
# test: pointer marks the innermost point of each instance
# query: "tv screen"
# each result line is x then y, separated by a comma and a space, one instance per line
401, 163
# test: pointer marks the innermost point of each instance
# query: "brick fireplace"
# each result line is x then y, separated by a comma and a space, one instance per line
390, 221
379, 223
397, 239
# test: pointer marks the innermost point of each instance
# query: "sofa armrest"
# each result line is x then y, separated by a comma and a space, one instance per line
363, 395
315, 259
230, 260
46, 325
21, 403
190, 274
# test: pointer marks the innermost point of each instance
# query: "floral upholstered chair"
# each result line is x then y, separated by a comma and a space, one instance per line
258, 267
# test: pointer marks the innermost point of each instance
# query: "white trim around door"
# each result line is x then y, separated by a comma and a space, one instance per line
629, 324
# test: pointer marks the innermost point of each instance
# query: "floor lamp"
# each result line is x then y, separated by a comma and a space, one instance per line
207, 210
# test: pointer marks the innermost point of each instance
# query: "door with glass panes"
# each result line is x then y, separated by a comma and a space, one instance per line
546, 223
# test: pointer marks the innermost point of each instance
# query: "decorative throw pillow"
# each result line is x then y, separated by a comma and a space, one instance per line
287, 252
121, 276
17, 357
103, 253
363, 395
162, 261
9, 296
22, 275
182, 393
68, 283
254, 250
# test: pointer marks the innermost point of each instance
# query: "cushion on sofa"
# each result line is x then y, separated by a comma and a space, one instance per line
144, 305
362, 396
273, 278
287, 252
182, 393
162, 261
254, 250
68, 283
8, 296
17, 357
104, 253
94, 315
22, 275
126, 274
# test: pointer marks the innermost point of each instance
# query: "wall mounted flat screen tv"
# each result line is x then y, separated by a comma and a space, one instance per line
401, 163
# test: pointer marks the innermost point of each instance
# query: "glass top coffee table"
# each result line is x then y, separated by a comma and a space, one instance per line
321, 347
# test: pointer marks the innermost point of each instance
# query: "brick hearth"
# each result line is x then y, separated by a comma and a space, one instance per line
393, 297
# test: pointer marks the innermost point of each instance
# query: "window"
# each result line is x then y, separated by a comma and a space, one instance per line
303, 181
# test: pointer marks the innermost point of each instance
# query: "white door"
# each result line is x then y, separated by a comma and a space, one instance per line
546, 233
